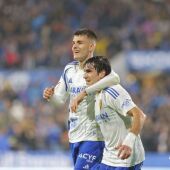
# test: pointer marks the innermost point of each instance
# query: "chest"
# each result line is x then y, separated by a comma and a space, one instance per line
106, 115
103, 113
75, 81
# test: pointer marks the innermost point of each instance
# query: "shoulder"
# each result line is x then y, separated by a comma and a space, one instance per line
116, 91
111, 92
71, 65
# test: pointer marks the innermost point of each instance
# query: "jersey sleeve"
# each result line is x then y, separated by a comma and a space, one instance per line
119, 99
61, 89
109, 80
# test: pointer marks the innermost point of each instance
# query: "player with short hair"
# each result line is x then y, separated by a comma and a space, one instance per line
120, 120
85, 138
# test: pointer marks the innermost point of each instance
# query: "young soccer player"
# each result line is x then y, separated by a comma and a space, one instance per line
85, 138
120, 120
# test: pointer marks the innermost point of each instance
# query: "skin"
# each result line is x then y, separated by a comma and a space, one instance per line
137, 124
91, 76
82, 48
48, 93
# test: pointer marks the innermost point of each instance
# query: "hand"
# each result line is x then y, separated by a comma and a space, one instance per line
124, 151
75, 102
48, 93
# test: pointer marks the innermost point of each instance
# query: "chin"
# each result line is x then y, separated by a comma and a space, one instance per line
76, 57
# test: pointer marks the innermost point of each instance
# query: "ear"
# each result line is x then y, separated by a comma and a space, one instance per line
92, 46
102, 74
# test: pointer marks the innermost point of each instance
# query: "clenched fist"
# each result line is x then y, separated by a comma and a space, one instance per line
48, 93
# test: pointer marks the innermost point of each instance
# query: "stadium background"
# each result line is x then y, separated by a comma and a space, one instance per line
35, 45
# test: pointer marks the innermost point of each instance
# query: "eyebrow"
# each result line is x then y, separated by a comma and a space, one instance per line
78, 41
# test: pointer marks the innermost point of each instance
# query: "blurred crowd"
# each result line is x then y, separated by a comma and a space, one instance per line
38, 34
152, 94
27, 122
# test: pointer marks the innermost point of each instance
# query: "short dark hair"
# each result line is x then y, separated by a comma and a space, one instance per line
100, 63
85, 31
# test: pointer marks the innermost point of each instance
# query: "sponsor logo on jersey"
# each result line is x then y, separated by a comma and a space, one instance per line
103, 116
126, 103
76, 90
70, 80
87, 157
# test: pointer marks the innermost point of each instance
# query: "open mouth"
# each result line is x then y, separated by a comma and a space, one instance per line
76, 52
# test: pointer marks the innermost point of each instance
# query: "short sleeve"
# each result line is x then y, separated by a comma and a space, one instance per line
119, 99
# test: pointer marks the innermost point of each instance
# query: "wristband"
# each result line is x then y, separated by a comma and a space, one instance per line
129, 140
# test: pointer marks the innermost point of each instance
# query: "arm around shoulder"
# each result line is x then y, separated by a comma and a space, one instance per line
109, 80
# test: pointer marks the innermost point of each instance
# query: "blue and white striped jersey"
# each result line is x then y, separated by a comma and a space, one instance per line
82, 124
111, 107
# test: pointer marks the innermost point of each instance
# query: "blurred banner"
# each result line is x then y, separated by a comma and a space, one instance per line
35, 159
148, 61
61, 159
34, 80
22, 78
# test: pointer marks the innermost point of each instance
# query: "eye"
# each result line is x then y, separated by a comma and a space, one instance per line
88, 71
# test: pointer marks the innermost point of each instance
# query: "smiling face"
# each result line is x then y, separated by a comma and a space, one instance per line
91, 75
82, 47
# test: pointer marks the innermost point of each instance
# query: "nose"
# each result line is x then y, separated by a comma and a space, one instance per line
74, 46
85, 76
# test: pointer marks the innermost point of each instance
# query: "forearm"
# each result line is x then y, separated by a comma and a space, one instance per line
138, 121
111, 79
137, 124
60, 94
57, 100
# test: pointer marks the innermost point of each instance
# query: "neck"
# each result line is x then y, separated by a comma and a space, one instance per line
81, 63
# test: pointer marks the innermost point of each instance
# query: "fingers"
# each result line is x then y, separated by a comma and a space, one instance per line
81, 96
74, 108
124, 151
117, 147
73, 105
76, 101
48, 93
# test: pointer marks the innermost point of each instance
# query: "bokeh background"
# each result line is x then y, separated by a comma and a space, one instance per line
35, 45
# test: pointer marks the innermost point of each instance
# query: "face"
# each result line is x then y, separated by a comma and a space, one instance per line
82, 47
91, 76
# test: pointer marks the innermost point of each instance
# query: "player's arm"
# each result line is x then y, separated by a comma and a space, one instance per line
138, 120
58, 94
111, 79
125, 149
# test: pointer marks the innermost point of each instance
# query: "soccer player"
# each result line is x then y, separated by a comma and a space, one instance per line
120, 120
85, 138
